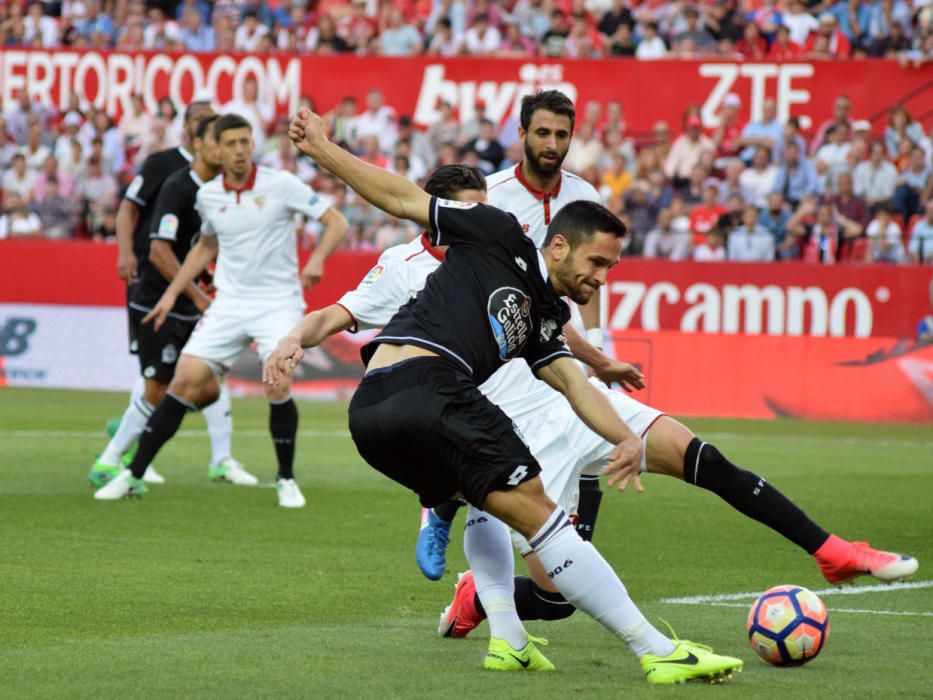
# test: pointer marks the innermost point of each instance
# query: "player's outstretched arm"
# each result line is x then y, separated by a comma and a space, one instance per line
310, 332
608, 370
594, 409
390, 192
127, 215
335, 231
196, 260
163, 259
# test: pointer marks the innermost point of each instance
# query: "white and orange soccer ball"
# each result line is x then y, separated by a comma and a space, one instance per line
788, 625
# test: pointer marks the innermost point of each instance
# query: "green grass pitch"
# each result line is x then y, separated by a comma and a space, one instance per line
206, 590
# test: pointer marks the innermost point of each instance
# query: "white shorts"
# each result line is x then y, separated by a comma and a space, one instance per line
230, 325
566, 448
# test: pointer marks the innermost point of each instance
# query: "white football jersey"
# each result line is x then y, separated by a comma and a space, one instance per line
508, 190
255, 228
398, 276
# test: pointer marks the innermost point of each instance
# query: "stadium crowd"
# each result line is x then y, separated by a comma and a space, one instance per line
746, 191
753, 29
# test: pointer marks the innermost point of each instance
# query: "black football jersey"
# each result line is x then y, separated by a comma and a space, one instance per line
174, 219
144, 189
489, 302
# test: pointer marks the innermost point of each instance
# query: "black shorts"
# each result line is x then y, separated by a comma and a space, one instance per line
424, 424
132, 319
158, 351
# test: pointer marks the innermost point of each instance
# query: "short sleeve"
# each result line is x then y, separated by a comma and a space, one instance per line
550, 342
145, 185
300, 198
206, 228
468, 223
380, 294
170, 204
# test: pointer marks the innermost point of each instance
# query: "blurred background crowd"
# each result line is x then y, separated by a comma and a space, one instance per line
745, 190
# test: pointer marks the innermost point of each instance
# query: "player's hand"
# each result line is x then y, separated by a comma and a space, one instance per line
161, 310
624, 463
282, 361
312, 272
628, 376
307, 131
127, 267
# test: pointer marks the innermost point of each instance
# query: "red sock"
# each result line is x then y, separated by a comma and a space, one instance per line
834, 549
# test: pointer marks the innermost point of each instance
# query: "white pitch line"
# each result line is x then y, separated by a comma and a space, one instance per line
853, 590
899, 613
180, 433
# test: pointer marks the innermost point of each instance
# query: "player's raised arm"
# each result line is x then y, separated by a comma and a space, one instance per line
389, 192
594, 409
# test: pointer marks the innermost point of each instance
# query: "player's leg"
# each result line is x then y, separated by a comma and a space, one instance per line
587, 581
674, 450
433, 538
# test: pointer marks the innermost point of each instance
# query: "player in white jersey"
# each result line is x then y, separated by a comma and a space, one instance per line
247, 222
534, 191
563, 445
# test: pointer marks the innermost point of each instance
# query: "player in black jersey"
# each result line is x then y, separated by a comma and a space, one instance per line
133, 228
419, 418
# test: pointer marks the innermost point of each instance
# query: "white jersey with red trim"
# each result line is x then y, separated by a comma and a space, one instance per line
398, 276
255, 228
509, 190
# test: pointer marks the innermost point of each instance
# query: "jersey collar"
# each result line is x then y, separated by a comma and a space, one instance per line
186, 154
248, 185
536, 193
432, 251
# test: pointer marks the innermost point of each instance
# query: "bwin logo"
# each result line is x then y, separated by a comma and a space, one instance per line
567, 564
14, 336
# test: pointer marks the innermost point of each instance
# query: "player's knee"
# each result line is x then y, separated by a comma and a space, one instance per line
208, 393
278, 393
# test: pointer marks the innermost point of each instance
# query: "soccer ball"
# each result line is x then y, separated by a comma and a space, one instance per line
788, 625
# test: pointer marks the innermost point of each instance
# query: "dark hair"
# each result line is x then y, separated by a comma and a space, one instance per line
204, 123
228, 122
447, 180
551, 100
189, 110
579, 221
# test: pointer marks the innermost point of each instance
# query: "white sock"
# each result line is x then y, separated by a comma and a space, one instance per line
586, 580
488, 549
138, 390
219, 425
131, 427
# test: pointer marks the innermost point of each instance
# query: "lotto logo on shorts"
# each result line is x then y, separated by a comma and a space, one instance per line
372, 276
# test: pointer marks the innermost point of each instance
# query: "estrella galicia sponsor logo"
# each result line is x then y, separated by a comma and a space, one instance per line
14, 336
508, 310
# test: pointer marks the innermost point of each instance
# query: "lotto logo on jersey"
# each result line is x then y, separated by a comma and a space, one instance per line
454, 204
508, 310
548, 328
168, 226
372, 276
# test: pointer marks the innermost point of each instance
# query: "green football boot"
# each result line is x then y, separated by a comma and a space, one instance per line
502, 657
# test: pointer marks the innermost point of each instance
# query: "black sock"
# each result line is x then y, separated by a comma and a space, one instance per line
161, 426
534, 603
588, 507
283, 425
748, 493
447, 510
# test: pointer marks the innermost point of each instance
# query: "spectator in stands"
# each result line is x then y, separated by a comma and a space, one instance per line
8, 147
832, 157
56, 212
885, 238
19, 179
96, 28
694, 39
482, 38
834, 42
757, 182
399, 38
622, 43
713, 248
821, 230
39, 29
735, 208
585, 149
17, 117
705, 215
515, 44
162, 32
670, 238
876, 178
642, 210
692, 191
250, 32
135, 123
377, 120
847, 203
686, 150
99, 126
258, 112
728, 132
752, 46
445, 42
901, 127
454, 11
799, 22
490, 151
731, 184
17, 221
324, 39
616, 179
51, 170
891, 44
921, 237
796, 176
912, 183
775, 217
371, 153
750, 242
34, 151
782, 48
554, 40
651, 45
617, 15
842, 114
196, 34
97, 192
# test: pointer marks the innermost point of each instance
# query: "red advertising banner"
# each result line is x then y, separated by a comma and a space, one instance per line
741, 340
651, 90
